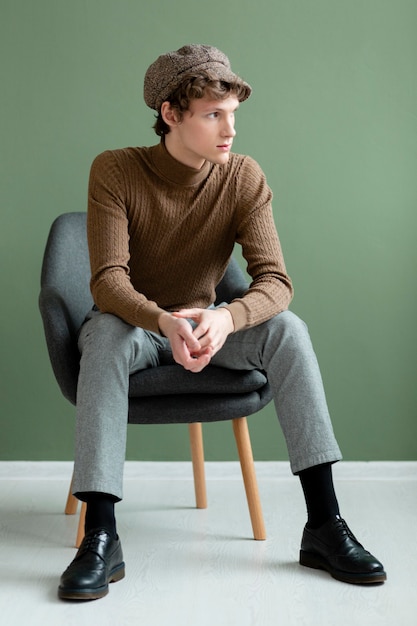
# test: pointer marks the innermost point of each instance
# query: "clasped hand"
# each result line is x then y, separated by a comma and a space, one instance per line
194, 348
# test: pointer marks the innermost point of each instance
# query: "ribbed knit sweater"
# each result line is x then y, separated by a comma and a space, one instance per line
160, 236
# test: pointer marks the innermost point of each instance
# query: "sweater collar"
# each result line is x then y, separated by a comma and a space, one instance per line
174, 171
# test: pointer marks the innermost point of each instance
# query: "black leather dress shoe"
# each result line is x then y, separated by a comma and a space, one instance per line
334, 548
98, 562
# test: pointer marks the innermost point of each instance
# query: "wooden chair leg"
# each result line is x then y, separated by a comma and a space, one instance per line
71, 509
72, 503
197, 456
241, 432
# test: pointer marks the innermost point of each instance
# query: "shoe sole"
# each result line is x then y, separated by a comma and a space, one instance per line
315, 561
93, 594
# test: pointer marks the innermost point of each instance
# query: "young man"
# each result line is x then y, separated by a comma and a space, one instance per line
162, 224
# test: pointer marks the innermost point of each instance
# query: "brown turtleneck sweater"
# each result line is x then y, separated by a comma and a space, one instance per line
160, 236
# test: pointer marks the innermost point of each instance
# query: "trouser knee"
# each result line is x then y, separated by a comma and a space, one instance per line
107, 339
107, 336
289, 323
287, 333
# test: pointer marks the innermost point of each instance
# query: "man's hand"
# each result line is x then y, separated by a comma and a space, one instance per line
194, 349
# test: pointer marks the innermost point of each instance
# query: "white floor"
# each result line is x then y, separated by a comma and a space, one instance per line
188, 567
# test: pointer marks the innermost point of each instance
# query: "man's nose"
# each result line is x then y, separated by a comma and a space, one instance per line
229, 128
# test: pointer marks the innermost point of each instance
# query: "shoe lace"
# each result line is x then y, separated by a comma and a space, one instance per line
344, 530
90, 544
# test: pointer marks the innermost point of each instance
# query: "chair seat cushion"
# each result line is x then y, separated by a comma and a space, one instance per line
167, 380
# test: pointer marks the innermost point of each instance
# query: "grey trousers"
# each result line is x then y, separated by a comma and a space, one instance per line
111, 350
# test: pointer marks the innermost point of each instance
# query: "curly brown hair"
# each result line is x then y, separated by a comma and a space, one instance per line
194, 87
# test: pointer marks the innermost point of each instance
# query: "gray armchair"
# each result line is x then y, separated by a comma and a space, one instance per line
162, 395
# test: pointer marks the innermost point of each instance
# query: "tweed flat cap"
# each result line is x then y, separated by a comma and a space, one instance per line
167, 72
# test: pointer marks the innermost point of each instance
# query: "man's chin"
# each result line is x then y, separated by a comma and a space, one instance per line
220, 159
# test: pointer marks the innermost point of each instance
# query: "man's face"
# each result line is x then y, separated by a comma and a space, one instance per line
205, 132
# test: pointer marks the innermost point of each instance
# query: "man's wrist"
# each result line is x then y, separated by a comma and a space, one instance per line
163, 318
228, 317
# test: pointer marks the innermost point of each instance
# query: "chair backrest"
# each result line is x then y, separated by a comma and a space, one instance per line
65, 296
233, 284
66, 265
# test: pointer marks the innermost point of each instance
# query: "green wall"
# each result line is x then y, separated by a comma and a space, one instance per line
333, 123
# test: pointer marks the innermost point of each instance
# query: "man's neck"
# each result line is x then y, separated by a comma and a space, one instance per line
181, 155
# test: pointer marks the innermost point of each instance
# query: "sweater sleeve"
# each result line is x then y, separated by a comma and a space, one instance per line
271, 290
108, 242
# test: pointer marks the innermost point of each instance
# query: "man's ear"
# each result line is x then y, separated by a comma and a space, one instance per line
169, 114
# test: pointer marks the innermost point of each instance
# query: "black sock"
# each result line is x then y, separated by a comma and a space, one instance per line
321, 501
100, 512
